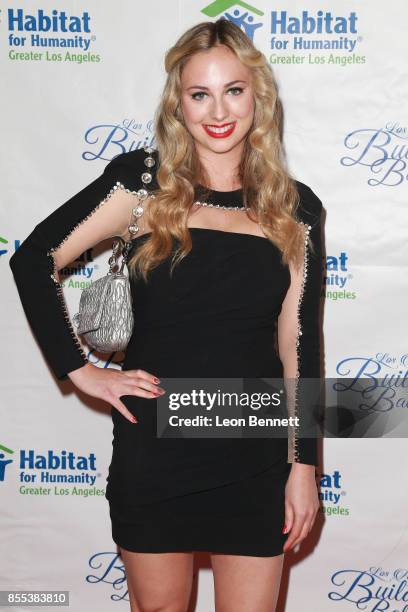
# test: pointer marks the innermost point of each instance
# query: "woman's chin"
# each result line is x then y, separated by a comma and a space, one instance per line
219, 145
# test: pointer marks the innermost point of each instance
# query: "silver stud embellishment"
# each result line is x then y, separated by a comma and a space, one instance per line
146, 177
142, 193
138, 211
299, 333
224, 207
149, 162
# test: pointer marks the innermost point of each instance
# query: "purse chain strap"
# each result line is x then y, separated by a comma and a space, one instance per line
137, 211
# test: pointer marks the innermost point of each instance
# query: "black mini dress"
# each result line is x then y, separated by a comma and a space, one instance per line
215, 316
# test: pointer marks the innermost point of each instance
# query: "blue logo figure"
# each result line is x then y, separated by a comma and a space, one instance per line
3, 241
3, 463
244, 20
239, 20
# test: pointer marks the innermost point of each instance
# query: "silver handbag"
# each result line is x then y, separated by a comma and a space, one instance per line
105, 316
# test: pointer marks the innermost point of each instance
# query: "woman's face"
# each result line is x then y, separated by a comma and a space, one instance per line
217, 99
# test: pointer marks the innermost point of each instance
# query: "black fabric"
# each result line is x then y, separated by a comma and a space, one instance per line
215, 317
32, 267
245, 517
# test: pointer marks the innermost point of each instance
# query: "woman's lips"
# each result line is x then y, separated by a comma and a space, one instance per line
221, 131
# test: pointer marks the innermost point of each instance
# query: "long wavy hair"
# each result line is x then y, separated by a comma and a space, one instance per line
268, 189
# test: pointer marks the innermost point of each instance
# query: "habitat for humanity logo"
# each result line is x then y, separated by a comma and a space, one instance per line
327, 38
5, 459
332, 493
5, 241
314, 32
77, 276
50, 36
80, 275
242, 14
53, 472
383, 151
337, 278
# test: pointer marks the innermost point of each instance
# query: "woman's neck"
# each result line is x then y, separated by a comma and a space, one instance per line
222, 168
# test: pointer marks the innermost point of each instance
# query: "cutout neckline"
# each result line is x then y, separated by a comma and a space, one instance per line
218, 192
217, 231
226, 199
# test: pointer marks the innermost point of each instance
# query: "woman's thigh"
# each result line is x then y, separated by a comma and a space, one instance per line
246, 584
158, 580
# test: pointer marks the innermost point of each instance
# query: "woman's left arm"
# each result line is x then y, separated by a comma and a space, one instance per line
299, 351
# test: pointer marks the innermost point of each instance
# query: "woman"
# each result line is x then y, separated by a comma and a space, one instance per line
225, 271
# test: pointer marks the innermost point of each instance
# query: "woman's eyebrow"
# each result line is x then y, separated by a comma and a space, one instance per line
226, 85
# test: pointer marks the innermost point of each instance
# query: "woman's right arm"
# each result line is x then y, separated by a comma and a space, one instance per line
101, 210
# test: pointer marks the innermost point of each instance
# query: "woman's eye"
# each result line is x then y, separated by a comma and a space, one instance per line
238, 90
198, 93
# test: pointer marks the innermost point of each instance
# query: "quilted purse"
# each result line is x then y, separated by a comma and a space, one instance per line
105, 316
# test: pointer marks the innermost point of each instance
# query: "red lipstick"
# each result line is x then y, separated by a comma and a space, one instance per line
220, 132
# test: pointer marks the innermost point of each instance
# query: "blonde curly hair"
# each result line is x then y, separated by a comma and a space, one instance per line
268, 189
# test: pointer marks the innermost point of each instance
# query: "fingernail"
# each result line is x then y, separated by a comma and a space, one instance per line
284, 529
134, 420
156, 380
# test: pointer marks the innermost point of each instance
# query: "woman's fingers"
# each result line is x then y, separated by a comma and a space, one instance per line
120, 406
110, 384
135, 382
142, 389
305, 528
141, 375
143, 380
289, 517
293, 533
148, 386
302, 525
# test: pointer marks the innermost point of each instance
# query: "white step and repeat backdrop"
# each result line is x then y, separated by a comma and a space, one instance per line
72, 100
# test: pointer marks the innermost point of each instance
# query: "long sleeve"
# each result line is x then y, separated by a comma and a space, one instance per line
33, 264
299, 335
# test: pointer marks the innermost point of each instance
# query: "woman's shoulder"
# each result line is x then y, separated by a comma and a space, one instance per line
135, 169
135, 157
310, 205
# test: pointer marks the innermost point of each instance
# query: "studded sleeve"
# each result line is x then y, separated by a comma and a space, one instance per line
34, 268
299, 328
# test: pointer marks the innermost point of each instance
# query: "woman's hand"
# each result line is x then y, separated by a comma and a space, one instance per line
110, 384
301, 503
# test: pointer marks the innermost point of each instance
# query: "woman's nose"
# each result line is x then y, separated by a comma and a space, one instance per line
219, 111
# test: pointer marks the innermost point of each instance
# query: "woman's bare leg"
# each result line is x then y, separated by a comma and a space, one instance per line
158, 582
246, 584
